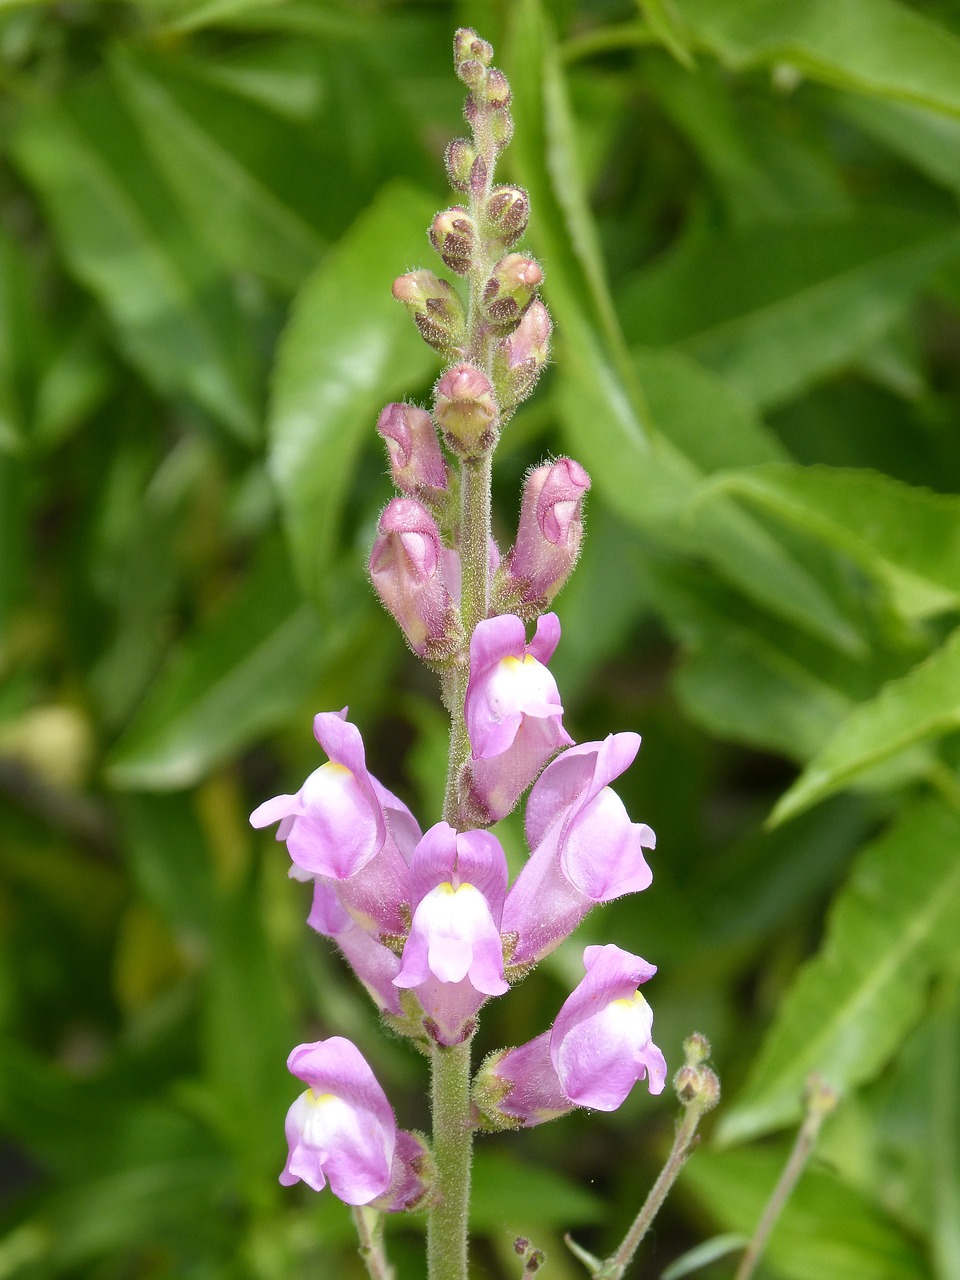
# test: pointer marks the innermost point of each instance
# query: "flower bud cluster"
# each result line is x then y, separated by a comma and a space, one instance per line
428, 920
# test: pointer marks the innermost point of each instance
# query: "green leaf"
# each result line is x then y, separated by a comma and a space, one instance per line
763, 172
851, 1005
906, 537
685, 396
702, 1254
827, 1230
241, 675
348, 348
196, 137
876, 47
921, 705
246, 1034
124, 238
774, 308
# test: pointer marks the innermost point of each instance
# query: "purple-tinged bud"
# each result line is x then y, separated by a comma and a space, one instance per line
466, 411
407, 569
417, 466
459, 160
469, 47
453, 235
496, 89
436, 309
507, 212
510, 290
548, 537
519, 358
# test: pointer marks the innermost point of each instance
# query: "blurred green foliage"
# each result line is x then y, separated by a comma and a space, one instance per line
747, 212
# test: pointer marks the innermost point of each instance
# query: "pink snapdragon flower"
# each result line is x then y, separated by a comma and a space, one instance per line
342, 1129
458, 884
345, 826
598, 1048
512, 709
342, 1132
585, 848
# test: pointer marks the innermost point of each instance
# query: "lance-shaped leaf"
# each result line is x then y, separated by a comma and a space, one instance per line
774, 308
906, 537
239, 204
124, 238
877, 47
349, 347
852, 1004
921, 705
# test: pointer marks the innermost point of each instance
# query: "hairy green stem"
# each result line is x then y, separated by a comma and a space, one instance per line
452, 1151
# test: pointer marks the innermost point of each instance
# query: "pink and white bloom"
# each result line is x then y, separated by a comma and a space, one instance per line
458, 883
345, 826
342, 1130
600, 1045
512, 709
585, 848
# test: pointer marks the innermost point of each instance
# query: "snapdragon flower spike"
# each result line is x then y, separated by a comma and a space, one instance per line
344, 826
512, 709
548, 536
585, 848
417, 466
600, 1045
409, 573
342, 1130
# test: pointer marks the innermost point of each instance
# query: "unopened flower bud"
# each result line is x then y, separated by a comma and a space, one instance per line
466, 411
469, 47
510, 290
519, 358
548, 537
507, 213
436, 309
459, 159
417, 466
496, 88
697, 1086
407, 567
696, 1049
452, 234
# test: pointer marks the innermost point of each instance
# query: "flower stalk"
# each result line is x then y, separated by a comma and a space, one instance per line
447, 1226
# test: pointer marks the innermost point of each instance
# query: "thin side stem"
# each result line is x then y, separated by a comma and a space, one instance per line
683, 1146
820, 1102
452, 1152
369, 1224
